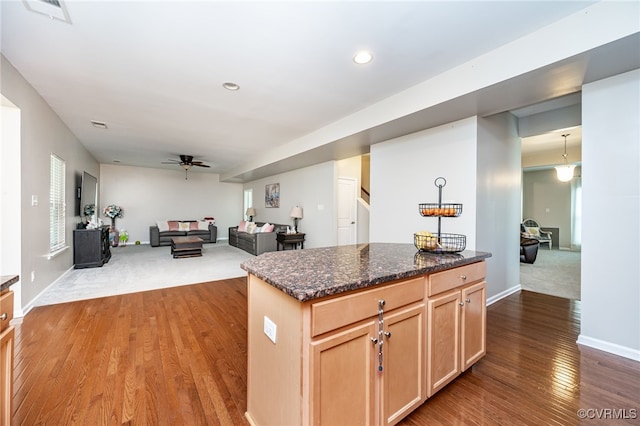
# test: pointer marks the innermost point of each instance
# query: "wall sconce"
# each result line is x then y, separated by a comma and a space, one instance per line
251, 212
565, 172
296, 213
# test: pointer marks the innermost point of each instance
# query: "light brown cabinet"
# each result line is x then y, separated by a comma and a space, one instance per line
456, 318
337, 369
380, 390
6, 356
346, 354
322, 365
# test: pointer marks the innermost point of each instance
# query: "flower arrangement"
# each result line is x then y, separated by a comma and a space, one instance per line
113, 211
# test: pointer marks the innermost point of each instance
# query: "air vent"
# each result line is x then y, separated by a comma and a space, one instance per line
54, 9
55, 3
98, 124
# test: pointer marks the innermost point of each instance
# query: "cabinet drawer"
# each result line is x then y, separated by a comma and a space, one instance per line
6, 308
338, 312
452, 278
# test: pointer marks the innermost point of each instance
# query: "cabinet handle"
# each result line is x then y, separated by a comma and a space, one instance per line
467, 300
461, 303
374, 340
4, 316
388, 334
464, 277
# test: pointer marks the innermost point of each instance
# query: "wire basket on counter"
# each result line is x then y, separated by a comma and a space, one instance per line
440, 243
440, 209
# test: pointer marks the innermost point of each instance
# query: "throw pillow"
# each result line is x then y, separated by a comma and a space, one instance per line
203, 225
270, 229
174, 225
267, 227
184, 226
251, 228
533, 230
163, 225
243, 226
193, 226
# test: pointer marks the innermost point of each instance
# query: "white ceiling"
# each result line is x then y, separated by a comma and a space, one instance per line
153, 71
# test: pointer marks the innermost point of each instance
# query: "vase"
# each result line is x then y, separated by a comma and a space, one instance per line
114, 235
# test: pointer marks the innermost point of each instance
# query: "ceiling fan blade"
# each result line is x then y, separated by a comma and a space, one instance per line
170, 162
200, 165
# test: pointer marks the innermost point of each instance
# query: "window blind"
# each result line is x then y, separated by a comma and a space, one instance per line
57, 204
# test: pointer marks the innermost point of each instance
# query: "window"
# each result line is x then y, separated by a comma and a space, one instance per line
56, 205
248, 201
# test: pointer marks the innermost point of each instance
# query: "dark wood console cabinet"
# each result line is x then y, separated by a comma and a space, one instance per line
91, 247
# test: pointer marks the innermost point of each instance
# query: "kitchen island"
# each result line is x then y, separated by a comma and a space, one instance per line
359, 334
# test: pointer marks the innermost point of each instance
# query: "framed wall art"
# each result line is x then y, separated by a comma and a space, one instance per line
272, 195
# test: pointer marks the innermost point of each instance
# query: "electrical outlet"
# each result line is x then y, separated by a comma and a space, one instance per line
270, 329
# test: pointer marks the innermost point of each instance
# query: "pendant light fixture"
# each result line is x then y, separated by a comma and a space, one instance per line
565, 171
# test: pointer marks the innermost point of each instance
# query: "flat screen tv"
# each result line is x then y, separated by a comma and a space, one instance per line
88, 196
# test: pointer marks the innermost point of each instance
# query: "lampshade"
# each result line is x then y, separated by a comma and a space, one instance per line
250, 212
185, 166
565, 172
296, 212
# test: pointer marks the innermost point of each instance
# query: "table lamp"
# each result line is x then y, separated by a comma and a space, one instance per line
251, 212
296, 213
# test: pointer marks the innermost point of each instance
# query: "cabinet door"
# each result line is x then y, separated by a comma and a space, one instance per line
473, 324
443, 340
6, 375
343, 377
404, 363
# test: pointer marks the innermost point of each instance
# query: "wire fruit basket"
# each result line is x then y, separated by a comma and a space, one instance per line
438, 209
440, 243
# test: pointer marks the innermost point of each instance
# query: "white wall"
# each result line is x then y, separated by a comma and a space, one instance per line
147, 195
611, 207
541, 190
403, 171
10, 207
312, 188
498, 202
42, 133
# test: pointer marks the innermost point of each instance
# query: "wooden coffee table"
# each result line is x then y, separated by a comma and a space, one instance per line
186, 247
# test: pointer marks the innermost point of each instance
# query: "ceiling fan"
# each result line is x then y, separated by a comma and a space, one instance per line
186, 162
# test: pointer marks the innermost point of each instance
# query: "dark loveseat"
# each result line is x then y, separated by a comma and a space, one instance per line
181, 228
256, 243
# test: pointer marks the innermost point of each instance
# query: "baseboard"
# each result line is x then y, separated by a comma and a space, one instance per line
508, 292
609, 347
31, 304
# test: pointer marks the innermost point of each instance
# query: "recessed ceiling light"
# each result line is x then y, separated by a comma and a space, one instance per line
98, 124
231, 86
363, 57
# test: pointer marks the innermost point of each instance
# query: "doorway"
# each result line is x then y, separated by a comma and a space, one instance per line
557, 207
347, 211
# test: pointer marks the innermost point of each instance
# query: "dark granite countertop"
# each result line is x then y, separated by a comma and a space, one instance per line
313, 273
8, 280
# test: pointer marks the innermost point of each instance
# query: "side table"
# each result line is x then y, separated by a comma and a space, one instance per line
292, 240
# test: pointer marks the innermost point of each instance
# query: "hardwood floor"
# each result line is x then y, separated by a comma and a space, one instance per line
179, 356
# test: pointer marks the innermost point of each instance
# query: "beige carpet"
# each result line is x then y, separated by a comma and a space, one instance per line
140, 268
555, 272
